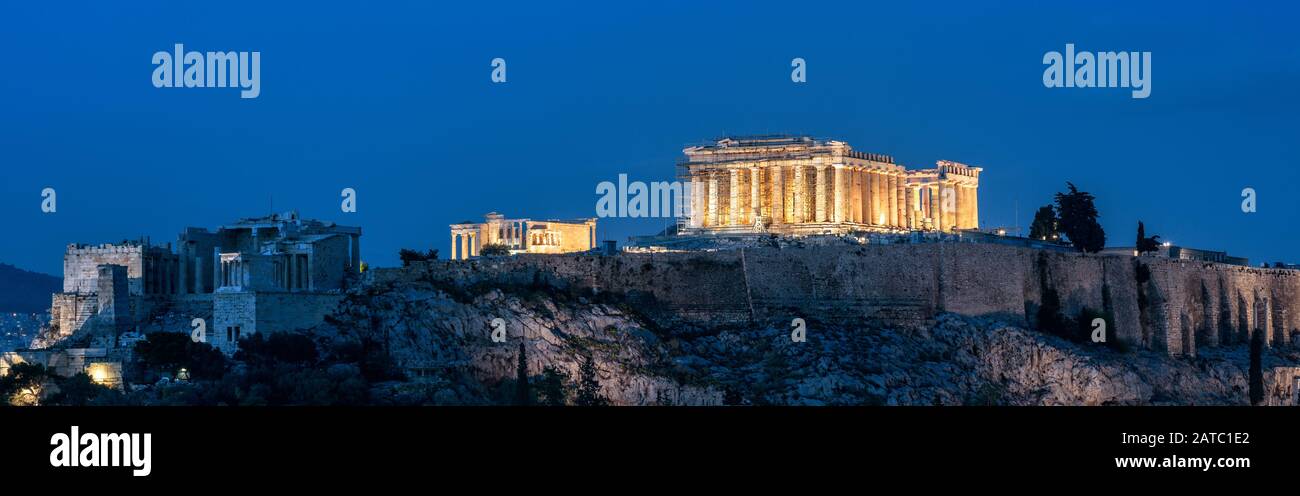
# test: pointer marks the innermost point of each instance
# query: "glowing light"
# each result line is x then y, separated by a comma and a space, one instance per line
101, 373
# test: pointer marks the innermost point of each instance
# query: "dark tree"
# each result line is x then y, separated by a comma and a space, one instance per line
731, 397
1078, 219
1045, 224
523, 396
1256, 367
554, 388
588, 385
1145, 244
494, 250
23, 378
78, 390
408, 256
167, 352
277, 348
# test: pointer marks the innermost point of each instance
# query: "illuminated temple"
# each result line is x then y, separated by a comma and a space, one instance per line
802, 185
521, 236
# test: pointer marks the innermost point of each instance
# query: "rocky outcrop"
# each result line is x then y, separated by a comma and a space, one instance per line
440, 336
1180, 307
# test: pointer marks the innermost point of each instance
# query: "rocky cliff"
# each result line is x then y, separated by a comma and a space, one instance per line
439, 332
1180, 307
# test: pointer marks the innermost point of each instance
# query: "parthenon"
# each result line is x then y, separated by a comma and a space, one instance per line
802, 185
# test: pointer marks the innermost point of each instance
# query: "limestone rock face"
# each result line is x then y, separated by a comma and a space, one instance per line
442, 339
427, 330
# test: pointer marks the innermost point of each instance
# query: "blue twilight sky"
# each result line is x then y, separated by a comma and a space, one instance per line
395, 100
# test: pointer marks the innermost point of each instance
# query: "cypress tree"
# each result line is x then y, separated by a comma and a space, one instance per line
523, 397
1078, 216
554, 389
1256, 367
588, 384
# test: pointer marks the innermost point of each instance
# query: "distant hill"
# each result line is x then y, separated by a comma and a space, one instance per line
26, 292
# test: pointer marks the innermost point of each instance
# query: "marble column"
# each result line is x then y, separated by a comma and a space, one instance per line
872, 209
735, 200
904, 203
839, 193
932, 204
959, 216
910, 209
944, 195
955, 214
799, 194
820, 196
864, 176
755, 194
892, 209
882, 199
924, 193
954, 205
712, 219
966, 207
855, 195
776, 197
960, 212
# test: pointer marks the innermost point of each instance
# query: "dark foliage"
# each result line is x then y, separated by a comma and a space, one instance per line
168, 352
1078, 219
1045, 225
277, 347
588, 384
1256, 367
523, 395
554, 387
407, 256
1145, 244
494, 250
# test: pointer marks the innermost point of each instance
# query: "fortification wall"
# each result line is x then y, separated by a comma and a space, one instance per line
231, 310
69, 312
81, 272
1156, 303
254, 312
278, 312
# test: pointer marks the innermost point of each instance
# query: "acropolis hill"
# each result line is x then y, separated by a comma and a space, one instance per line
874, 312
1179, 308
